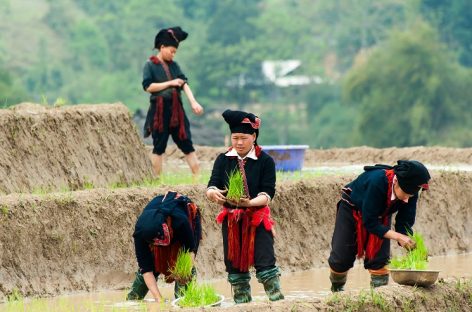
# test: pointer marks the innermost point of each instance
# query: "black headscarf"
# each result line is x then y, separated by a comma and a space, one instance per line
170, 37
412, 176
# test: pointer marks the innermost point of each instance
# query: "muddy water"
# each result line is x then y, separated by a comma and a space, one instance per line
298, 285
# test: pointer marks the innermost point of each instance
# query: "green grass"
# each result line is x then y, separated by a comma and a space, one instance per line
4, 209
15, 295
171, 179
198, 295
235, 185
416, 259
183, 178
365, 301
183, 266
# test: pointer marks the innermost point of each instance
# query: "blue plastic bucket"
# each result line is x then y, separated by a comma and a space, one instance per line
286, 157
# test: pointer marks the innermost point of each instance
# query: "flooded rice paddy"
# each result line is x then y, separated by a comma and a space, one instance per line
297, 285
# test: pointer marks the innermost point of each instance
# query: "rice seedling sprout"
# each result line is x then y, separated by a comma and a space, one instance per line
198, 295
416, 259
235, 185
182, 269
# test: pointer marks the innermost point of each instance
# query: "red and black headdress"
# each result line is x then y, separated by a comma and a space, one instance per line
242, 122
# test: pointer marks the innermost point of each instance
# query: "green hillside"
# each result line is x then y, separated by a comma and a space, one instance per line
90, 51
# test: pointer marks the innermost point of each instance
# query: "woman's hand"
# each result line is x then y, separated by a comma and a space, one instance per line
406, 242
176, 82
243, 202
216, 195
158, 298
196, 108
403, 240
151, 284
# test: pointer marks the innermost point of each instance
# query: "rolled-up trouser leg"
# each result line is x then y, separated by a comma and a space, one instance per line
338, 280
377, 266
240, 286
138, 289
179, 288
270, 280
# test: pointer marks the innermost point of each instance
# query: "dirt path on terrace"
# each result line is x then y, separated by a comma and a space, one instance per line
72, 147
344, 156
81, 240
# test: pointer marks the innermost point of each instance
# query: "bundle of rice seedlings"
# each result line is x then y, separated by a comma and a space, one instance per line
235, 185
198, 295
182, 270
416, 259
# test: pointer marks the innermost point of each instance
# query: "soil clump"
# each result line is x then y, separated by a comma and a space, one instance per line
71, 147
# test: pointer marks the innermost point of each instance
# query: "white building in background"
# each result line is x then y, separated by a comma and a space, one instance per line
278, 72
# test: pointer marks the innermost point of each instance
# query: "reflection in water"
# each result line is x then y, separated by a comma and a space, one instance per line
306, 284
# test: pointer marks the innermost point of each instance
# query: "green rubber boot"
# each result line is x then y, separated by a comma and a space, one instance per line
378, 280
270, 280
138, 289
241, 287
338, 280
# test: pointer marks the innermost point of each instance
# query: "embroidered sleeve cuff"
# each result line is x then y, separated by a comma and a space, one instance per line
266, 195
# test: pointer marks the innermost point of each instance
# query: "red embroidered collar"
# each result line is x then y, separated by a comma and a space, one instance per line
156, 60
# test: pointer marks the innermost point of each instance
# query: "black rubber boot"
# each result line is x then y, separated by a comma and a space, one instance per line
338, 280
241, 287
139, 289
378, 280
270, 280
179, 288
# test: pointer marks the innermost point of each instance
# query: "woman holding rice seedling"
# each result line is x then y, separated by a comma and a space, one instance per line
243, 182
166, 231
363, 219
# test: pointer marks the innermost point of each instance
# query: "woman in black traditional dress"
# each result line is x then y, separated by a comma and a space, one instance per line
247, 225
164, 80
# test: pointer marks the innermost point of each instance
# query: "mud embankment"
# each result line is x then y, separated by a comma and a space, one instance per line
446, 295
82, 240
72, 147
368, 155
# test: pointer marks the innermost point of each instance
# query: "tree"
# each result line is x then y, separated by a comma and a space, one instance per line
10, 93
409, 91
453, 19
230, 55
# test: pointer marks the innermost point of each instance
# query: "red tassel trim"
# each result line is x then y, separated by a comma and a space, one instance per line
177, 115
158, 123
372, 242
241, 250
177, 118
165, 256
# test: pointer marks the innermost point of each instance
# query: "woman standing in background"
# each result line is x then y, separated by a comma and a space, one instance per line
164, 80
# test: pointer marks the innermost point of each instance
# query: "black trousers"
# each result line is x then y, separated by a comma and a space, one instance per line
159, 140
264, 255
344, 243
